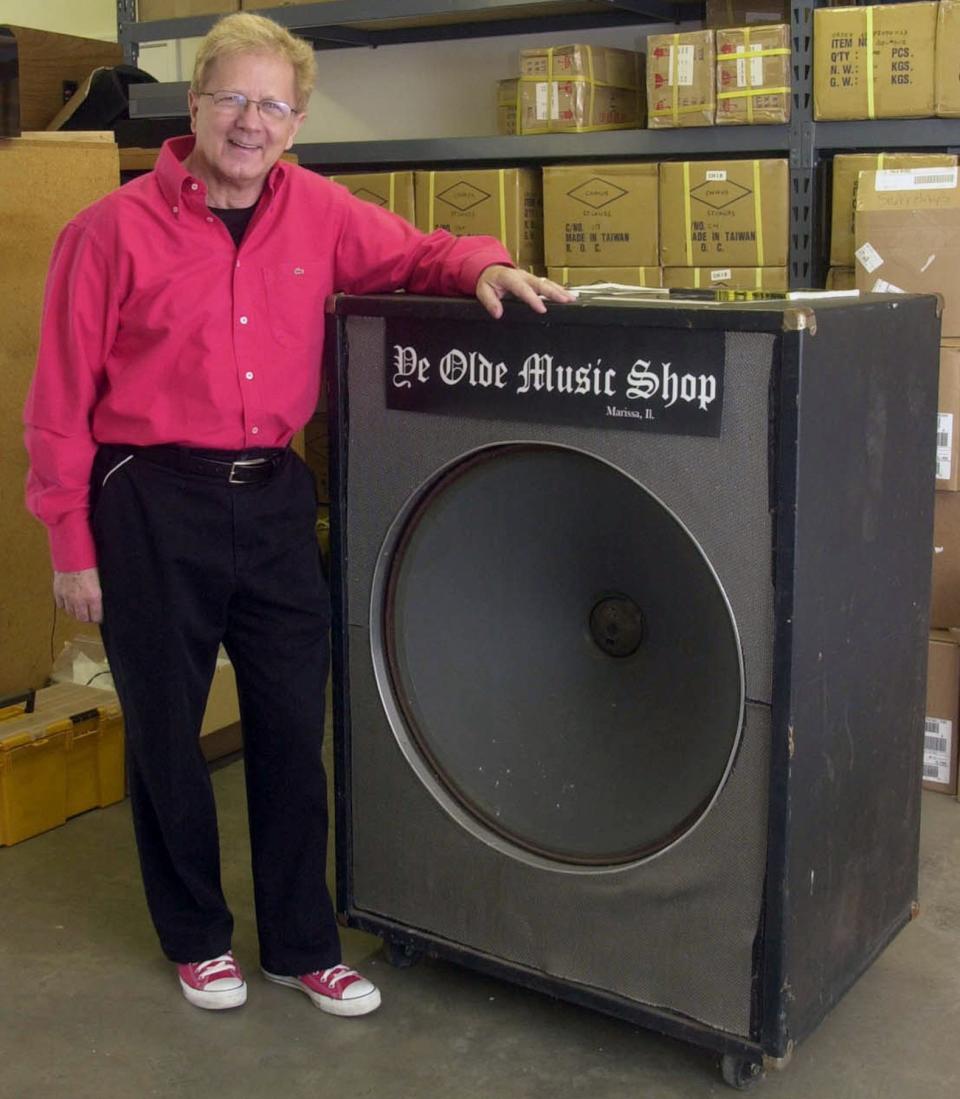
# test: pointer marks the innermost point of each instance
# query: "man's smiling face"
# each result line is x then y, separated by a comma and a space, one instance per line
237, 149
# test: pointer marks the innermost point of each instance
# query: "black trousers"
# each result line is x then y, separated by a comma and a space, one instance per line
187, 562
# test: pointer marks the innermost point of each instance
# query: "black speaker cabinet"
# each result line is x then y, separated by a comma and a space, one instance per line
630, 608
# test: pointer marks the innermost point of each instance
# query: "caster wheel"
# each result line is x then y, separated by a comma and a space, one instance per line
400, 955
740, 1072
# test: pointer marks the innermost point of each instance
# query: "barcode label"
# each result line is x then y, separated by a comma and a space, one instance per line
944, 445
548, 101
937, 735
869, 258
916, 179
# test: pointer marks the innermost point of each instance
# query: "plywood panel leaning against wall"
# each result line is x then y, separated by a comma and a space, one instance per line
45, 60
43, 183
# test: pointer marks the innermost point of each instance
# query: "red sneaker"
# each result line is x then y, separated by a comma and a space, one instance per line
339, 990
214, 984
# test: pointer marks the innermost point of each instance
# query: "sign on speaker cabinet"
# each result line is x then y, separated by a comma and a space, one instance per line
644, 379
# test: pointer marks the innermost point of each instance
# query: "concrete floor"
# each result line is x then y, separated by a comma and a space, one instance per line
89, 1009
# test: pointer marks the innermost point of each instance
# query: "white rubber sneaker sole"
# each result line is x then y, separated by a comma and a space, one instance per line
359, 1005
215, 1001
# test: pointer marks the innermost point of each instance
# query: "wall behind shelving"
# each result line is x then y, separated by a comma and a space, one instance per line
86, 18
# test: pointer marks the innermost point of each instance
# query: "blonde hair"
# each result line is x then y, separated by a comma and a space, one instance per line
245, 32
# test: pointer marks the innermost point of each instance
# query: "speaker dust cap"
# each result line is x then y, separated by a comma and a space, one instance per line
562, 656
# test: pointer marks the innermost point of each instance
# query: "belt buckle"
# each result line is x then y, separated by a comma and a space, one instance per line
243, 463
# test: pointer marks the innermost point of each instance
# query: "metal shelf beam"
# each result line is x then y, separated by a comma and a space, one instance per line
543, 148
327, 23
887, 134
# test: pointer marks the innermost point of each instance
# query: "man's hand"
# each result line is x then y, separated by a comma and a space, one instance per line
78, 593
497, 281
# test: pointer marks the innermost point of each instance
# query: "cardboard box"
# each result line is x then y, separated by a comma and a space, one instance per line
874, 62
738, 13
681, 80
846, 168
733, 278
940, 732
724, 213
623, 276
841, 278
753, 75
945, 592
179, 9
391, 190
506, 203
908, 236
948, 418
601, 215
946, 80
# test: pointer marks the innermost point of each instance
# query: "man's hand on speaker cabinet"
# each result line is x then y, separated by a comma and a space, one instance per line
497, 281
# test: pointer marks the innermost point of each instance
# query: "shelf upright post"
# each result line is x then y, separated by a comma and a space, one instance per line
805, 260
127, 13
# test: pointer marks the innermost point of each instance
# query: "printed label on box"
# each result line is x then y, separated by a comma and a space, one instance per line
681, 68
937, 734
868, 257
881, 286
917, 179
750, 74
724, 274
716, 176
944, 445
548, 101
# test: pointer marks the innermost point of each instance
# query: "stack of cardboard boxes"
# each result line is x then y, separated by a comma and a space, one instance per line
572, 89
907, 240
887, 61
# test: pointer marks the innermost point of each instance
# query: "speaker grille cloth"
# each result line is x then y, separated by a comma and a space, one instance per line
677, 931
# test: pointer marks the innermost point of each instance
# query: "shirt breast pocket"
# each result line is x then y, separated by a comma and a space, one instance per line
295, 298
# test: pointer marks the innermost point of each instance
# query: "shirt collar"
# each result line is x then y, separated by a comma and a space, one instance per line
173, 177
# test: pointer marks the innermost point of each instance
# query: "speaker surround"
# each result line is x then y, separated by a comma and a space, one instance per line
622, 691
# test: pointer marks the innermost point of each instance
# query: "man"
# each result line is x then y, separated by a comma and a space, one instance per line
180, 352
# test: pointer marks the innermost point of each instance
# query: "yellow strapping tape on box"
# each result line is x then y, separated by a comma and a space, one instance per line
758, 211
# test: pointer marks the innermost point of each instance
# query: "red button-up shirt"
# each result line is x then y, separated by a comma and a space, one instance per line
157, 329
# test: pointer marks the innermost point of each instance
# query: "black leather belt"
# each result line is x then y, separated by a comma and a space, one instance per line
236, 467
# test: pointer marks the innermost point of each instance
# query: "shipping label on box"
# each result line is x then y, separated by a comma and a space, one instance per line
948, 417
738, 13
907, 228
506, 203
724, 213
874, 62
753, 75
942, 712
947, 74
846, 169
601, 215
681, 79
620, 276
733, 278
391, 190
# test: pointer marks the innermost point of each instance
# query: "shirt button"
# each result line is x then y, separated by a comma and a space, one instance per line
254, 430
210, 220
194, 186
249, 375
243, 320
176, 209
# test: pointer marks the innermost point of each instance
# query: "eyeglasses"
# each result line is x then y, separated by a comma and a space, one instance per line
273, 110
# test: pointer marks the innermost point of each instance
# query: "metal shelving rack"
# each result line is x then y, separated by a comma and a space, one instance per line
341, 24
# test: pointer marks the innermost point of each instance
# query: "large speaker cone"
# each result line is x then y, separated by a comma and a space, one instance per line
562, 654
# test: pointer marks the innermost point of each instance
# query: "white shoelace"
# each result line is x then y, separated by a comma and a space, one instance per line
223, 964
336, 973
